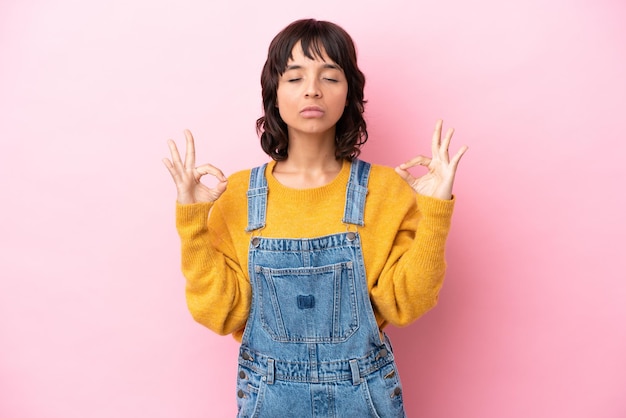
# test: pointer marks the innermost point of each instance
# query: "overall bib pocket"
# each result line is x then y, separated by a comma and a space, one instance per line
308, 305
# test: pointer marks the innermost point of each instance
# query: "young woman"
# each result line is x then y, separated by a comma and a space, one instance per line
307, 258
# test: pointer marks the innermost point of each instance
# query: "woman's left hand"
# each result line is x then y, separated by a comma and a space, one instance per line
438, 181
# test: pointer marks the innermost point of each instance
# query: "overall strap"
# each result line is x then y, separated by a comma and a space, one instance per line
356, 192
257, 198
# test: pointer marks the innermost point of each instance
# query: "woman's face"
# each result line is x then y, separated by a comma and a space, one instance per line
311, 94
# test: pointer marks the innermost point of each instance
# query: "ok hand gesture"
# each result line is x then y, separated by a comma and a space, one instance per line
441, 169
187, 176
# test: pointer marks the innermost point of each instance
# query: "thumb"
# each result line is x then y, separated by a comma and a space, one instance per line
221, 186
404, 174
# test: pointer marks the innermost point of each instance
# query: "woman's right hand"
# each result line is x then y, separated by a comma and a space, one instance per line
187, 176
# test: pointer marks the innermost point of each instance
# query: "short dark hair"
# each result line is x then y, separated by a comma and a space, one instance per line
316, 37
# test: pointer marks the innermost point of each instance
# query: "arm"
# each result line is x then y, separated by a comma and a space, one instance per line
213, 277
409, 284
218, 292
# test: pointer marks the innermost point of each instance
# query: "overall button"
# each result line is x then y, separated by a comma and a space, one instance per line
350, 236
382, 353
256, 241
246, 356
396, 391
242, 374
240, 393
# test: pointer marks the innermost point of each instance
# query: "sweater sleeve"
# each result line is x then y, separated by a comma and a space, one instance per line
409, 283
217, 291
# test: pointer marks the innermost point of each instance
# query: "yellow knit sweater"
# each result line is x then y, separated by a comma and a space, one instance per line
403, 243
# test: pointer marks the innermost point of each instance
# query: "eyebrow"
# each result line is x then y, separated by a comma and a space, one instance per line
325, 66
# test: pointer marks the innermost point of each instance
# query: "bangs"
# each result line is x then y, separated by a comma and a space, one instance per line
314, 48
316, 39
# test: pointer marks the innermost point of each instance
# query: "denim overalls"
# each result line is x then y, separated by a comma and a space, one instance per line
311, 346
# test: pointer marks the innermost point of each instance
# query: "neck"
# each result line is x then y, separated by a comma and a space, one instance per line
311, 161
311, 151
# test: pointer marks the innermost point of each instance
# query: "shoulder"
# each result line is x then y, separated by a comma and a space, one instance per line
236, 188
230, 210
388, 195
385, 180
240, 178
390, 202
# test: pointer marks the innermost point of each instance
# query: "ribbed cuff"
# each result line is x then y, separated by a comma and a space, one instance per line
192, 213
432, 206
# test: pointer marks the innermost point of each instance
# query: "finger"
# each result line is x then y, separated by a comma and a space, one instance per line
445, 145
419, 160
174, 152
436, 138
168, 164
454, 162
219, 174
190, 153
212, 170
173, 172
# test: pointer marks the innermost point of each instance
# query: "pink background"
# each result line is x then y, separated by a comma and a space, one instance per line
93, 321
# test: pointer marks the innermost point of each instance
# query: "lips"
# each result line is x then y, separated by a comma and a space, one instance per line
312, 112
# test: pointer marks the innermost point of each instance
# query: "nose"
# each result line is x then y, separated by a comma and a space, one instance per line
313, 89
